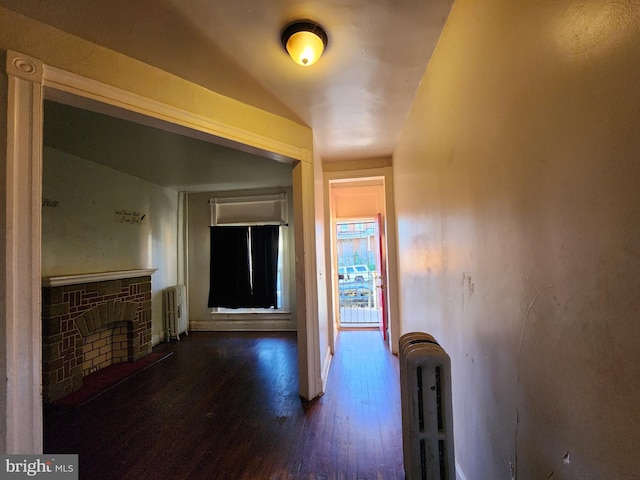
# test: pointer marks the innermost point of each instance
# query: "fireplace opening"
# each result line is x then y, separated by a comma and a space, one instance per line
105, 347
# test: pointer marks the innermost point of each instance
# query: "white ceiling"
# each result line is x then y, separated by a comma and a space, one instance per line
355, 98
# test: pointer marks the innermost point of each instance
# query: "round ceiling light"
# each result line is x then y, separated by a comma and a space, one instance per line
304, 41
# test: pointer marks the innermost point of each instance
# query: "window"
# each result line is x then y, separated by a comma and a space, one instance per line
244, 266
248, 254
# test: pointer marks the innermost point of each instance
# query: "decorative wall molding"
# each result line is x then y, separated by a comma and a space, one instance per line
24, 67
22, 229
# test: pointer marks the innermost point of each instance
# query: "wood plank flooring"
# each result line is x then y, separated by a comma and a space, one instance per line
226, 406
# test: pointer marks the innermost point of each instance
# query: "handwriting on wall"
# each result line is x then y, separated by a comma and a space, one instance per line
129, 216
46, 202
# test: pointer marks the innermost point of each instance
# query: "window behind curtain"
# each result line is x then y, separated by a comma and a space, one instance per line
264, 265
230, 280
244, 267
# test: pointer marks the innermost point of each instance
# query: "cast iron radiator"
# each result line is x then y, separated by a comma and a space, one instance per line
427, 416
175, 311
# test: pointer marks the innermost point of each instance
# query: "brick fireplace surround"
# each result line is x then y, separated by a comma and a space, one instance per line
90, 322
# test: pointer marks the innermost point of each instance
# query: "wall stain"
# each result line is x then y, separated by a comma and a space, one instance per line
467, 287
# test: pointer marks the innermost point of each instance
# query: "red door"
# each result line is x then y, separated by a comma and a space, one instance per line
382, 288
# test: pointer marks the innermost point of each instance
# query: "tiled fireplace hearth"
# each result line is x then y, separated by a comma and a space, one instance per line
90, 322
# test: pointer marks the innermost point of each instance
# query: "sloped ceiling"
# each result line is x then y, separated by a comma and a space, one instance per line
355, 98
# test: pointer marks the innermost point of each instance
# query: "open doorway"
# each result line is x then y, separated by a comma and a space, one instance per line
29, 82
362, 273
120, 212
358, 273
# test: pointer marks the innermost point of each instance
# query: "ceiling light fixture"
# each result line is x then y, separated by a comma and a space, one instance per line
304, 41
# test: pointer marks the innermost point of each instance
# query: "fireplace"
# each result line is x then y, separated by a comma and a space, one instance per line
90, 322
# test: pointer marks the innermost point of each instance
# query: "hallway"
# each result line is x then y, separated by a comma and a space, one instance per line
226, 406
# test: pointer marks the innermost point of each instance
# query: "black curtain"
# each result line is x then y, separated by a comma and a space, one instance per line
264, 259
230, 284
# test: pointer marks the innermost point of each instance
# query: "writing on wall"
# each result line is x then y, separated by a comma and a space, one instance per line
129, 216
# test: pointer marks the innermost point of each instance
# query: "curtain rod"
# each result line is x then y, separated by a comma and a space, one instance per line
231, 201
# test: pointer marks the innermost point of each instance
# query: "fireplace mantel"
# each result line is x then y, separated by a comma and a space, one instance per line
57, 281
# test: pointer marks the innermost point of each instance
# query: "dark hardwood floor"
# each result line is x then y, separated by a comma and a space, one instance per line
226, 406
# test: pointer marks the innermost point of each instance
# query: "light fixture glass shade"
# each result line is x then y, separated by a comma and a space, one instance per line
305, 48
305, 41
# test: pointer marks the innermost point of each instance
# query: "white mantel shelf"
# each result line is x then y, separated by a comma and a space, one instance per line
95, 277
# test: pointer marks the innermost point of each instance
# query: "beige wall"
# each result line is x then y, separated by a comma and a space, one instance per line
517, 195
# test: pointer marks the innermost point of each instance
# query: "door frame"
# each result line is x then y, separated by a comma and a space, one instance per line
386, 173
28, 81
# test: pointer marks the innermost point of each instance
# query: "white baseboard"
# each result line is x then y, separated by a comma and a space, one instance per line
325, 367
242, 326
459, 473
157, 338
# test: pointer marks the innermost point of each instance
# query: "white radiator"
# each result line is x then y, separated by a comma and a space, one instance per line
427, 416
176, 319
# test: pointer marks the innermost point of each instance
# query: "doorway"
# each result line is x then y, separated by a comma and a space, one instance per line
29, 81
359, 213
358, 273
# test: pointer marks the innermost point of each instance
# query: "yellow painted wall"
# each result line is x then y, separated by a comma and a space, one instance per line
517, 192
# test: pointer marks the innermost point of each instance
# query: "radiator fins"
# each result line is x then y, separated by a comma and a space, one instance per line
427, 416
176, 319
